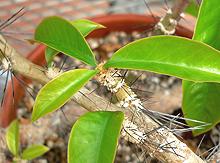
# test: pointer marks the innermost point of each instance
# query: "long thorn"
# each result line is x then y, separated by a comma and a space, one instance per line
200, 144
148, 7
13, 91
134, 81
64, 61
6, 83
12, 19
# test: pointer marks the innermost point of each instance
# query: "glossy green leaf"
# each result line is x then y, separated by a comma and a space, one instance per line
34, 151
171, 55
94, 137
192, 8
12, 137
84, 27
201, 100
59, 90
61, 35
208, 24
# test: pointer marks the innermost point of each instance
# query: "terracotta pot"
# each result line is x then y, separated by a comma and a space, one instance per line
117, 22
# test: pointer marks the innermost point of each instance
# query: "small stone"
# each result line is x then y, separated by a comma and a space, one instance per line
42, 161
164, 84
127, 148
112, 39
127, 158
167, 92
171, 80
93, 43
50, 144
155, 80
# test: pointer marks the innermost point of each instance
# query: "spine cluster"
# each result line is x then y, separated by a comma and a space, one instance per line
5, 64
170, 27
110, 78
114, 82
127, 99
158, 137
129, 128
53, 72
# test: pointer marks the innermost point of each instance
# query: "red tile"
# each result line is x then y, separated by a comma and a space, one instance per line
36, 10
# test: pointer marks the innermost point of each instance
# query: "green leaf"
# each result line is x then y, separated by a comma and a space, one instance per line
59, 90
12, 137
201, 100
192, 8
94, 137
170, 55
84, 27
34, 151
61, 35
208, 24
49, 55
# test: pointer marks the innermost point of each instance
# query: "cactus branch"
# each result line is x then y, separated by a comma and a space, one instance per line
20, 64
167, 24
155, 140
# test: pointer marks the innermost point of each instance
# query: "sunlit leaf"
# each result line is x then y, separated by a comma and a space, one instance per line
94, 137
34, 151
12, 137
59, 34
208, 24
201, 100
59, 90
84, 27
170, 55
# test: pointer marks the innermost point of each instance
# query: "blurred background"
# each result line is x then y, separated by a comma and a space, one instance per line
36, 10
